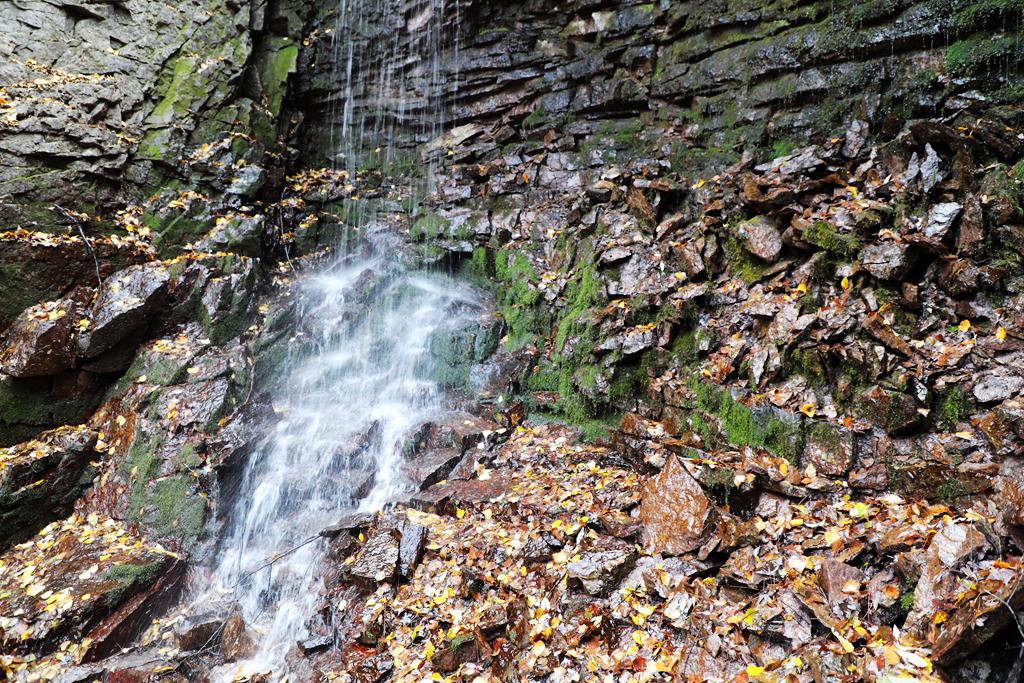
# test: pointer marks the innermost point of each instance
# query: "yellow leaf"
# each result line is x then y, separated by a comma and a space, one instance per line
802, 288
638, 637
808, 409
845, 283
967, 436
1001, 333
460, 513
847, 645
964, 325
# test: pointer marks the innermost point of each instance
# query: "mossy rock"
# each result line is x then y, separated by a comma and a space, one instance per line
454, 352
128, 579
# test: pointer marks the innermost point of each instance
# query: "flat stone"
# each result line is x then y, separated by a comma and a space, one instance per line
886, 260
377, 559
677, 517
997, 386
598, 571
839, 580
431, 466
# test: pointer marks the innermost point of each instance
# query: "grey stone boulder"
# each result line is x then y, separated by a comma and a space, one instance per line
762, 238
125, 303
886, 260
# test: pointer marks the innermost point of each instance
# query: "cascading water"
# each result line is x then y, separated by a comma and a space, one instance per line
346, 409
347, 404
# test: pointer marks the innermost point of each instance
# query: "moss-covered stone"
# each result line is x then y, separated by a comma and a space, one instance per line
736, 424
128, 578
517, 296
824, 236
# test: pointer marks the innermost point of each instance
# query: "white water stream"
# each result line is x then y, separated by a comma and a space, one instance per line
347, 409
348, 406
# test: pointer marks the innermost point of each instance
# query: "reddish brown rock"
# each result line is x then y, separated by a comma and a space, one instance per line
988, 606
99, 578
235, 641
839, 580
939, 579
677, 517
40, 341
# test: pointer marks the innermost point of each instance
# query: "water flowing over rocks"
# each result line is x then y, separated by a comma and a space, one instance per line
764, 260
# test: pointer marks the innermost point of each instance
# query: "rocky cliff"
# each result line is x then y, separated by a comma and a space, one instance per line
763, 258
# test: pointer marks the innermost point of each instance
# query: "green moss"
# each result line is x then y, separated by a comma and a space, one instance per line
977, 14
127, 577
479, 267
907, 601
517, 295
781, 148
807, 363
429, 226
592, 429
686, 346
740, 261
983, 52
536, 118
951, 490
279, 64
824, 236
740, 426
174, 230
954, 407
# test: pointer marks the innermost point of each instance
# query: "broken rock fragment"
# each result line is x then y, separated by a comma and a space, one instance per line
677, 517
886, 260
40, 341
761, 237
124, 304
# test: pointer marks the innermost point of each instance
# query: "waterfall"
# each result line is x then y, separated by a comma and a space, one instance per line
361, 381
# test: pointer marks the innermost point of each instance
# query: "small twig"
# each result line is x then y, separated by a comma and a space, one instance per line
88, 245
1013, 612
274, 559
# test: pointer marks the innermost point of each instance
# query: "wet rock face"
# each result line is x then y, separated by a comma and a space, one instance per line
236, 642
40, 480
90, 567
122, 111
40, 267
123, 304
41, 340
